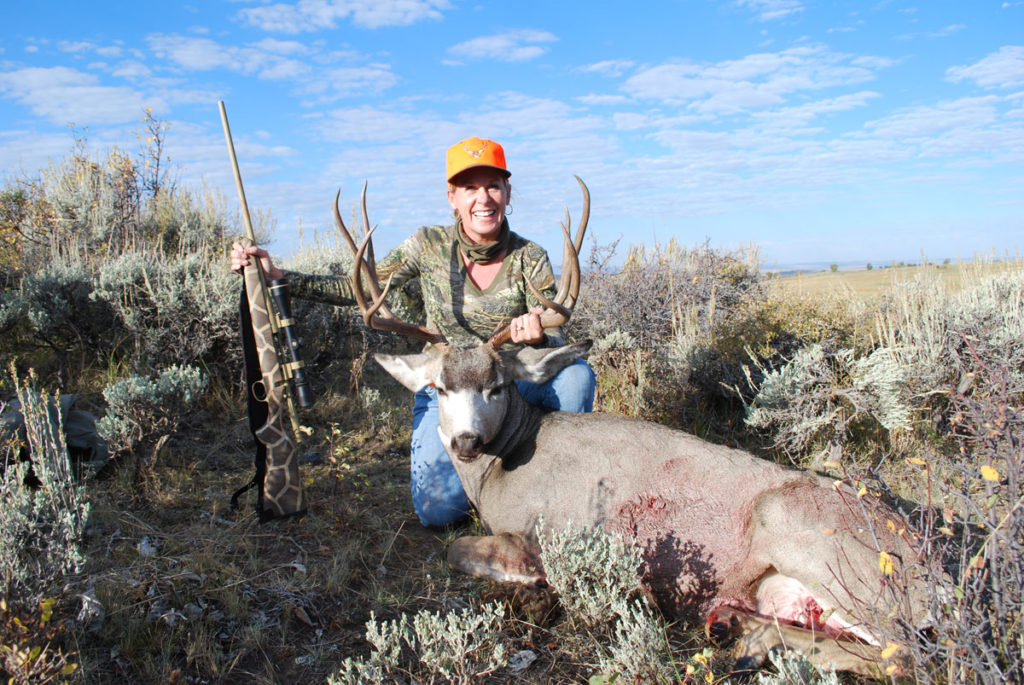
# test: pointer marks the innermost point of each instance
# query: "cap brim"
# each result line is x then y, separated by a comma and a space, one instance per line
477, 166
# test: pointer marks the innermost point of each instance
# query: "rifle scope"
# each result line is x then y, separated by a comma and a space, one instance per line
293, 368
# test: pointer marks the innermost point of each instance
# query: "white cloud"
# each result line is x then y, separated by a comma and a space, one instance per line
61, 94
632, 121
753, 82
131, 70
768, 10
24, 153
1002, 69
285, 69
335, 82
511, 46
74, 46
801, 114
375, 125
931, 120
202, 54
317, 15
599, 100
281, 47
609, 67
948, 30
278, 60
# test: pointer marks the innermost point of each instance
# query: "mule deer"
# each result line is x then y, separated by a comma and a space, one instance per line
780, 555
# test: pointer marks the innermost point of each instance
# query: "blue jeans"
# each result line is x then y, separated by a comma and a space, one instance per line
437, 493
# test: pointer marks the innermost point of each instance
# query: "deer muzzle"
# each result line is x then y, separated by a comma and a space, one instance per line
467, 446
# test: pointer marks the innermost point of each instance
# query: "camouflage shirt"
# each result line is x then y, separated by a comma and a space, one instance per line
464, 313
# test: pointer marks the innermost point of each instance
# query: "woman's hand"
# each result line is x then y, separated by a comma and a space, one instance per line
526, 329
240, 255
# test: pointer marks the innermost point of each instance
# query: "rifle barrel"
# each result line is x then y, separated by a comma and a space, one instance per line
238, 175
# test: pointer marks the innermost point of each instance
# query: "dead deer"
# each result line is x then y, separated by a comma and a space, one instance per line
780, 555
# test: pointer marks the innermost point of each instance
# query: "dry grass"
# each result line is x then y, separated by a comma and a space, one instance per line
195, 591
868, 285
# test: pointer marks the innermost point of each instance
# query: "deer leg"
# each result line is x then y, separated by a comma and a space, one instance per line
757, 635
507, 557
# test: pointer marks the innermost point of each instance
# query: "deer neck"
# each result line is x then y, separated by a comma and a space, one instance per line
521, 422
518, 427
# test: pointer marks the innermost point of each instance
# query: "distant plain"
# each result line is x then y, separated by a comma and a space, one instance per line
870, 283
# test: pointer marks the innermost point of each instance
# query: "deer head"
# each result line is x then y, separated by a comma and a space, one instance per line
475, 386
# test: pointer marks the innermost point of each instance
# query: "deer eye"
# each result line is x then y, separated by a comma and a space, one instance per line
493, 392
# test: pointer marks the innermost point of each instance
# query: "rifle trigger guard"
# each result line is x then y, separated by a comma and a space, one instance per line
259, 391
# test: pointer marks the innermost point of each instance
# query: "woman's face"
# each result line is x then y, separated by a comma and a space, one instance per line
479, 196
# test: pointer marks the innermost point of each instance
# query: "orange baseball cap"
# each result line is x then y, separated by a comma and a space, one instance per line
474, 152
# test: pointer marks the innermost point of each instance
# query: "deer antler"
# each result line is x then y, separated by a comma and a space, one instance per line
375, 313
560, 309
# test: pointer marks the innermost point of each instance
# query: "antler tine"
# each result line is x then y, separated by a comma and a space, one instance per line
371, 260
568, 254
584, 215
341, 224
569, 285
574, 288
376, 314
371, 264
560, 308
371, 268
384, 320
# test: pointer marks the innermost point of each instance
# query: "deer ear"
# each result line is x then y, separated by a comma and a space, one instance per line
414, 371
541, 364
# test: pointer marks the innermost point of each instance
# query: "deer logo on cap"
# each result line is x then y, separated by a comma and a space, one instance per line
476, 151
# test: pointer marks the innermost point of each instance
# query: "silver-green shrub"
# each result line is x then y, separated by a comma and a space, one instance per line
818, 399
41, 527
141, 410
599, 583
592, 571
791, 668
88, 200
54, 309
638, 650
119, 267
927, 338
938, 338
880, 388
459, 647
801, 403
174, 309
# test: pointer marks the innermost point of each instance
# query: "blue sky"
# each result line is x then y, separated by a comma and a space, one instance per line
821, 131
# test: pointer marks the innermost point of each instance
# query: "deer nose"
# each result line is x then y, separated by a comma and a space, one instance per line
467, 445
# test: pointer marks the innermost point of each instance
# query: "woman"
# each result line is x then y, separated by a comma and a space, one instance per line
473, 277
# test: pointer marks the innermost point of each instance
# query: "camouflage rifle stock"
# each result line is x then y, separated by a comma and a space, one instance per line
274, 377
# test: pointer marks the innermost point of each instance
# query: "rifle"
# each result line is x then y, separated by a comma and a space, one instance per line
274, 377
